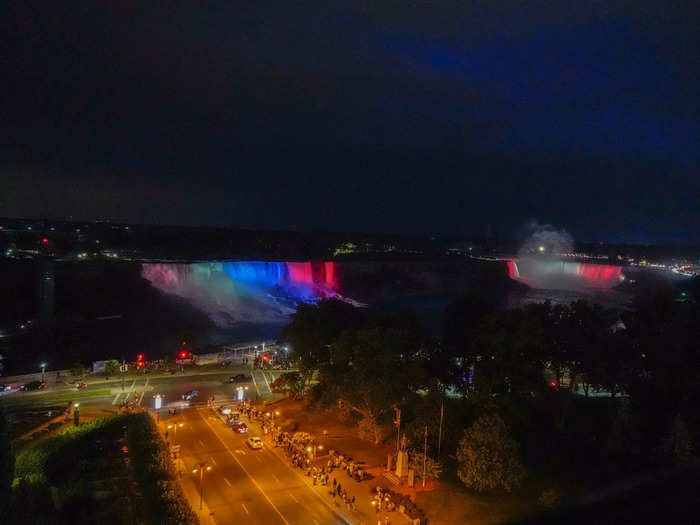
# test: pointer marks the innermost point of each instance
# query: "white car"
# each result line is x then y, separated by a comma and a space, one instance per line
254, 442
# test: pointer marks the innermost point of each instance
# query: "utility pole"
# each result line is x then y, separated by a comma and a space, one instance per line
442, 415
425, 453
398, 428
123, 369
202, 466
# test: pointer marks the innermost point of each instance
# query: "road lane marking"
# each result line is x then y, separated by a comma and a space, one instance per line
254, 382
246, 510
277, 479
266, 381
315, 522
293, 496
212, 460
116, 398
200, 442
257, 485
144, 391
259, 459
227, 481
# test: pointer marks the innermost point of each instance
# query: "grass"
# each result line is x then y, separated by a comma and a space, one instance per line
68, 396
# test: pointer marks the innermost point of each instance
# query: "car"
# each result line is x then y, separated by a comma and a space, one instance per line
190, 394
224, 411
33, 385
240, 427
239, 378
254, 442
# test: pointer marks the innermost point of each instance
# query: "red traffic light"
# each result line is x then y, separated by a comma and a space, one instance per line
553, 383
265, 357
140, 357
45, 240
184, 354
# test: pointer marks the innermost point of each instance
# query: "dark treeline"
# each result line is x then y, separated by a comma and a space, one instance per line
575, 394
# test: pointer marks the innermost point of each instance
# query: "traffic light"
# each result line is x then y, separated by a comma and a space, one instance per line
140, 357
45, 240
184, 354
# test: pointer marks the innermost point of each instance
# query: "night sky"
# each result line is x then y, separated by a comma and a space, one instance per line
435, 117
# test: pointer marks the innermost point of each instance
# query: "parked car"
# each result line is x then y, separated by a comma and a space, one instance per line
224, 411
254, 442
33, 385
240, 427
190, 394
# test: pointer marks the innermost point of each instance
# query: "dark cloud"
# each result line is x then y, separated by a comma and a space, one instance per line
430, 117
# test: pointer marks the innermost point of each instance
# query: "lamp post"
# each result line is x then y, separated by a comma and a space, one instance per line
157, 404
241, 390
76, 414
312, 449
43, 371
201, 469
175, 426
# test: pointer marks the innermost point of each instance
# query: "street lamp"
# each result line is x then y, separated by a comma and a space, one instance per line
241, 390
76, 414
312, 450
157, 404
43, 370
201, 469
175, 426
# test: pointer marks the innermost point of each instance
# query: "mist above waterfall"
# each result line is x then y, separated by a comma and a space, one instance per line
540, 263
545, 240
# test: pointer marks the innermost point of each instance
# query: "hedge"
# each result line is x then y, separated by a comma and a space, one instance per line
154, 472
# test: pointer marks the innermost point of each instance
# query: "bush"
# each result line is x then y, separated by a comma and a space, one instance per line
165, 502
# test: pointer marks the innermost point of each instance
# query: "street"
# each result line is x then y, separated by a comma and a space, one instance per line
242, 484
254, 485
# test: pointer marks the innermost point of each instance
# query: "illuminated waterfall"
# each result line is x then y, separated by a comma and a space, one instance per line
246, 291
564, 275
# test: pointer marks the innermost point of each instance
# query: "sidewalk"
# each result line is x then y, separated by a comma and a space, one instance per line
364, 513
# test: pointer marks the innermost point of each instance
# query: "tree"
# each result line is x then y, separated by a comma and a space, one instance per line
312, 330
111, 368
78, 370
488, 457
678, 446
290, 383
624, 436
369, 430
433, 468
7, 463
373, 370
507, 353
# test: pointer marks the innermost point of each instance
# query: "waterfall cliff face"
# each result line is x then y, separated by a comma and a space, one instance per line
246, 291
564, 275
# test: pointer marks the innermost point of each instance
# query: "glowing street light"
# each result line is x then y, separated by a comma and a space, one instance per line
43, 370
174, 427
201, 469
541, 248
